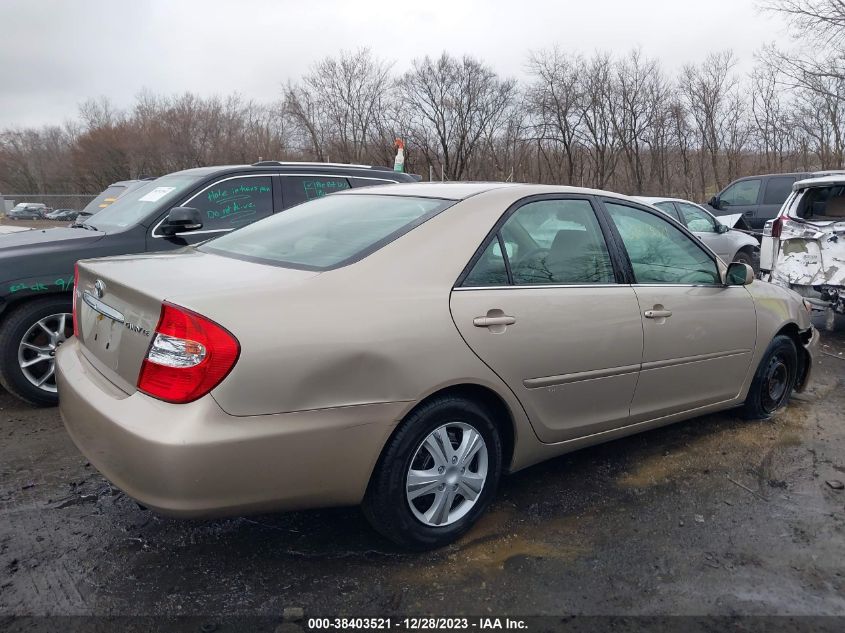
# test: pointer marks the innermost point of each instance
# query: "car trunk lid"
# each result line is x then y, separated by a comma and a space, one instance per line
119, 301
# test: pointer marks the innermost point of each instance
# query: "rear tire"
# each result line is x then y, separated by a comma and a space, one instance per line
19, 325
774, 379
431, 511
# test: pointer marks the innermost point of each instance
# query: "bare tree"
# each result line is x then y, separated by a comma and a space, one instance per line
449, 105
339, 104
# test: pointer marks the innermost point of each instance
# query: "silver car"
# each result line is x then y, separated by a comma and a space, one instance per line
729, 244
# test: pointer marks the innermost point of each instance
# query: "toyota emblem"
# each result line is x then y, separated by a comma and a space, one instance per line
99, 288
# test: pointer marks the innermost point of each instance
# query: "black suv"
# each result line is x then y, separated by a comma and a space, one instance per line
759, 198
182, 208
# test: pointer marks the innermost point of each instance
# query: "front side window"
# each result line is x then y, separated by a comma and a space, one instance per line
742, 192
659, 252
548, 242
299, 189
778, 189
327, 233
697, 220
234, 202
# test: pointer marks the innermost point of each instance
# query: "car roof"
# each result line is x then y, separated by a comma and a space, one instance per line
275, 166
463, 190
823, 181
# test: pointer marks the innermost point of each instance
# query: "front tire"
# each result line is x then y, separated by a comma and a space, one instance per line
436, 475
29, 337
743, 257
774, 379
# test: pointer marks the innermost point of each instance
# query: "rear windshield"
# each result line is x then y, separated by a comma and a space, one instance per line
328, 232
823, 203
134, 207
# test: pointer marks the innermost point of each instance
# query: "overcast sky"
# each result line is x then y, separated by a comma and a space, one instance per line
54, 54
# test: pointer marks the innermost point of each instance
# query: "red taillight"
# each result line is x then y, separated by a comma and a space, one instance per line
777, 226
188, 357
75, 287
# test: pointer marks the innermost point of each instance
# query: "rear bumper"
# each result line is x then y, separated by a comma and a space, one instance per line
196, 460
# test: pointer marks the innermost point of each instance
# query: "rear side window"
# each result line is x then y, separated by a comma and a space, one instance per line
778, 189
328, 233
234, 202
669, 209
298, 189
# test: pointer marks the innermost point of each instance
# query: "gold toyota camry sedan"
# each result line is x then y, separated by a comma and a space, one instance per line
403, 347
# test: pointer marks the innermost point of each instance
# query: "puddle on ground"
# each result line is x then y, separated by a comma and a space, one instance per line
496, 539
755, 439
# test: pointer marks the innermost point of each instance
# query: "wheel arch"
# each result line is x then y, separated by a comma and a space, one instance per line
800, 338
482, 395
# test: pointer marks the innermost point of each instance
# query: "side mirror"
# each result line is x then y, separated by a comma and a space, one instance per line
739, 274
721, 229
714, 202
181, 220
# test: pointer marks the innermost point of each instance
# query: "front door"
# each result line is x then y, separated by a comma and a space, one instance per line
698, 334
541, 306
743, 197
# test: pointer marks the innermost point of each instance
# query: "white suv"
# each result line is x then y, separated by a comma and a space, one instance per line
804, 247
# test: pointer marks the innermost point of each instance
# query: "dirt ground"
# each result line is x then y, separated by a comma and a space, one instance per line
712, 516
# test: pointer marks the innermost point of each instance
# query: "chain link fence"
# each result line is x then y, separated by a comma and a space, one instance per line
76, 201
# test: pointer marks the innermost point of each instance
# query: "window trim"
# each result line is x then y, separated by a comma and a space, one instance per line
658, 214
495, 233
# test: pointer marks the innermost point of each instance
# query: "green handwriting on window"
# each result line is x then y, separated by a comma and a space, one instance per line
241, 192
319, 188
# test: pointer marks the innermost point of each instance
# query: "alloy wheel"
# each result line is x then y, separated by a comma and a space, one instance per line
37, 349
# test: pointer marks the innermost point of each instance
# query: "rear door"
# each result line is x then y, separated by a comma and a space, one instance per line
698, 335
776, 192
542, 306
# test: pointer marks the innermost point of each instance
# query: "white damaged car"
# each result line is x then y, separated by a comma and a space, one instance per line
804, 247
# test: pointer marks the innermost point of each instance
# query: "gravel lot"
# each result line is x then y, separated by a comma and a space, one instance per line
712, 516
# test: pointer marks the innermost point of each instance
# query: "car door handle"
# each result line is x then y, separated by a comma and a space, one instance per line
487, 321
657, 314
